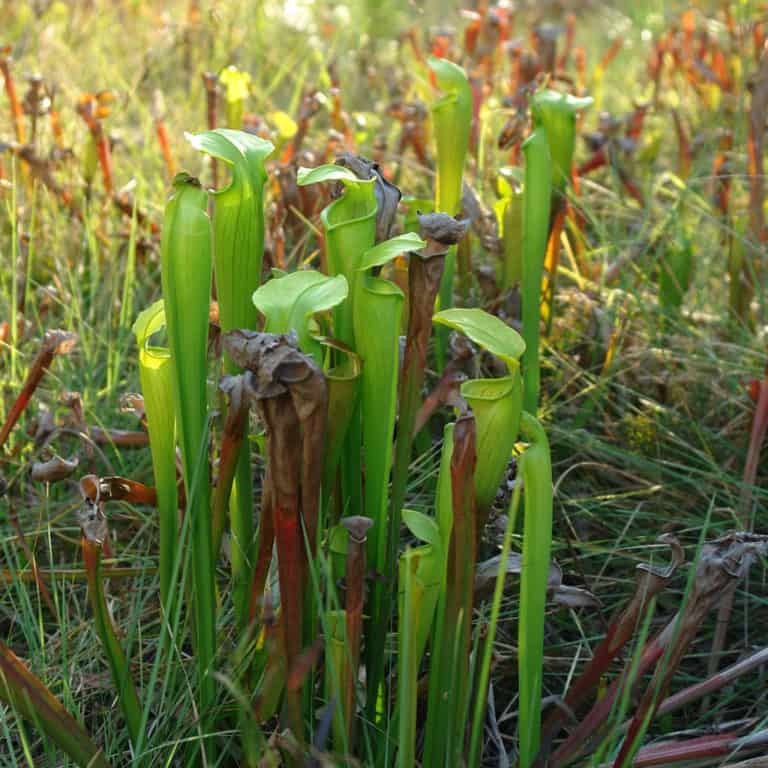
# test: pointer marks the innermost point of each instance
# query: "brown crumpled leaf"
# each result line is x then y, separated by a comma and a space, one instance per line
133, 402
442, 229
54, 469
387, 194
44, 425
90, 516
74, 401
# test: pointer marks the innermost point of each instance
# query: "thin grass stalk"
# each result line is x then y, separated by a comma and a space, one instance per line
536, 470
407, 657
538, 174
238, 246
435, 743
185, 255
481, 690
116, 658
30, 699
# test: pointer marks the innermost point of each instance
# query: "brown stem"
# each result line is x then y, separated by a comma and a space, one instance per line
17, 113
54, 343
233, 434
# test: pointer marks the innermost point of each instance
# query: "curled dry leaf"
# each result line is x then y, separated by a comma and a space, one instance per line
114, 488
442, 229
559, 593
92, 522
54, 469
133, 402
387, 194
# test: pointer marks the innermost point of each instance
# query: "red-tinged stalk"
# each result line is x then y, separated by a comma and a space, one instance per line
650, 582
449, 668
232, 436
283, 438
93, 108
290, 393
54, 343
264, 551
158, 115
425, 270
17, 112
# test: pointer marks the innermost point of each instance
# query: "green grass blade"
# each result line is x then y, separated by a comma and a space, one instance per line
118, 663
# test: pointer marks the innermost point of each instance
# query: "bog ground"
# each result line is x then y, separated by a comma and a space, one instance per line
383, 384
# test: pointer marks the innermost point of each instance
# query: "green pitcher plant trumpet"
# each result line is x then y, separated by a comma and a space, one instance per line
536, 208
157, 388
496, 403
186, 270
452, 124
238, 246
